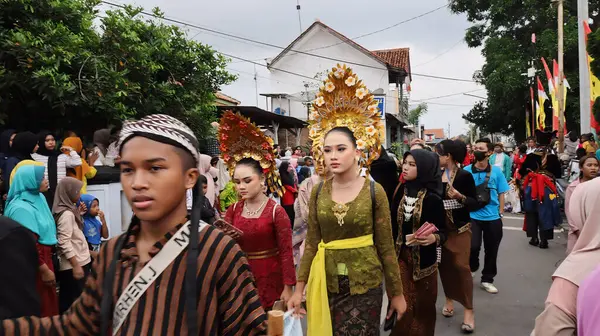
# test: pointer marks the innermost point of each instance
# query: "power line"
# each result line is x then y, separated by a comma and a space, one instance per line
442, 54
448, 95
401, 22
279, 47
456, 105
381, 30
371, 33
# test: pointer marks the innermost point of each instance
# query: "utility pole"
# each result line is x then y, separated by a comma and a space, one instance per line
256, 85
307, 101
584, 75
299, 16
531, 76
561, 75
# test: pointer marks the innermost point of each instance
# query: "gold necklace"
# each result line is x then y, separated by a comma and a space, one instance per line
340, 211
255, 212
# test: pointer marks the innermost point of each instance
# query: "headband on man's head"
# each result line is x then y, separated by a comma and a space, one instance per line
161, 128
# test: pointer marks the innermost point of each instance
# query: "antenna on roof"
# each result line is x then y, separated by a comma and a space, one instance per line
299, 16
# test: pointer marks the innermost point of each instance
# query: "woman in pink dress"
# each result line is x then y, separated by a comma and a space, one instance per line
267, 234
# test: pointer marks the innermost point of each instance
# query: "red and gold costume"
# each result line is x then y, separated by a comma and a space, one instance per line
267, 239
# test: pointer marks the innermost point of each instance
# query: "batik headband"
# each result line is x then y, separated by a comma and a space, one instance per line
162, 128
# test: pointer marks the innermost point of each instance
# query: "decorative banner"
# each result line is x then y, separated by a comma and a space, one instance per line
553, 89
542, 97
533, 111
594, 83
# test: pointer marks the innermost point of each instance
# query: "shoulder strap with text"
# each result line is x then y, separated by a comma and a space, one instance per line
144, 279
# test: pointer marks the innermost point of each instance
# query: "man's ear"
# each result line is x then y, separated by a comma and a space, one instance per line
191, 177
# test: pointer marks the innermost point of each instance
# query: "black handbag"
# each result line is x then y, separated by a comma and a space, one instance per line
483, 195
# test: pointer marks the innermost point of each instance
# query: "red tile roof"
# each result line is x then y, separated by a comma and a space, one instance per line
395, 58
437, 132
221, 95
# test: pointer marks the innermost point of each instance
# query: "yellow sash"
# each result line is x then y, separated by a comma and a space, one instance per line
319, 317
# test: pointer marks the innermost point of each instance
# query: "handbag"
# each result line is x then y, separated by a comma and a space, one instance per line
483, 195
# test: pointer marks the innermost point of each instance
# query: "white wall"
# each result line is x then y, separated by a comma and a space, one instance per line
309, 66
114, 204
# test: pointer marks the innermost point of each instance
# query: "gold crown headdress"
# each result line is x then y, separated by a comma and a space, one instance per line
344, 101
240, 138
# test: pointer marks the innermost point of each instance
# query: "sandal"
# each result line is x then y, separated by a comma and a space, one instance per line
448, 313
467, 328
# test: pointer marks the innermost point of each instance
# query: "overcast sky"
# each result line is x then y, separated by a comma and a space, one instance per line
436, 42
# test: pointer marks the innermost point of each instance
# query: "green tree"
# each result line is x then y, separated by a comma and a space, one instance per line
415, 114
57, 70
503, 28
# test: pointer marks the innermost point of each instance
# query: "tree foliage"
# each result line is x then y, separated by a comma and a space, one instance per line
58, 70
415, 114
503, 28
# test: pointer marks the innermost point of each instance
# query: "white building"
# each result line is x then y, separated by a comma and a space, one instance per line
300, 68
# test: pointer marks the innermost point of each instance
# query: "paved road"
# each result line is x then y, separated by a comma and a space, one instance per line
523, 281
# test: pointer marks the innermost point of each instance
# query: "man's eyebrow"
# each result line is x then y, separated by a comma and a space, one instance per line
153, 160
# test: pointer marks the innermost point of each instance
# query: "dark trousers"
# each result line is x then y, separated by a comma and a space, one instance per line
491, 234
70, 288
289, 209
533, 226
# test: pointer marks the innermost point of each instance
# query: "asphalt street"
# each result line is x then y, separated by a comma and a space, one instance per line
524, 277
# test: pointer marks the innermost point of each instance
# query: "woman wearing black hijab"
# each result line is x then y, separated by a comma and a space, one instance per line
418, 201
56, 162
23, 145
385, 172
290, 192
6, 139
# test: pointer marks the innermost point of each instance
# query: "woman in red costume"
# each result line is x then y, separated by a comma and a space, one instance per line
266, 231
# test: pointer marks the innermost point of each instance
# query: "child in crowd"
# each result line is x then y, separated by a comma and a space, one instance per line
208, 211
94, 229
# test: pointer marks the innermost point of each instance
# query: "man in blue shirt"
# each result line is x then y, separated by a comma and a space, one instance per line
486, 223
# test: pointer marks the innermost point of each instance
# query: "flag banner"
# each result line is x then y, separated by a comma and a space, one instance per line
553, 89
594, 82
542, 97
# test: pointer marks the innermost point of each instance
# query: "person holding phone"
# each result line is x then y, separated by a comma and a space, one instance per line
417, 202
264, 231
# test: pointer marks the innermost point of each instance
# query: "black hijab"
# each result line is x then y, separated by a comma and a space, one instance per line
286, 176
5, 141
42, 143
385, 172
429, 173
23, 145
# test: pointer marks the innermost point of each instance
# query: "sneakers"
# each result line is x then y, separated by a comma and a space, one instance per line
488, 287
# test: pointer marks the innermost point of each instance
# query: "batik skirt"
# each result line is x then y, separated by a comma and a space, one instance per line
454, 268
355, 315
420, 296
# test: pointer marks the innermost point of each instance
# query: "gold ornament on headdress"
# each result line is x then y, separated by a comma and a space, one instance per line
240, 138
344, 101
